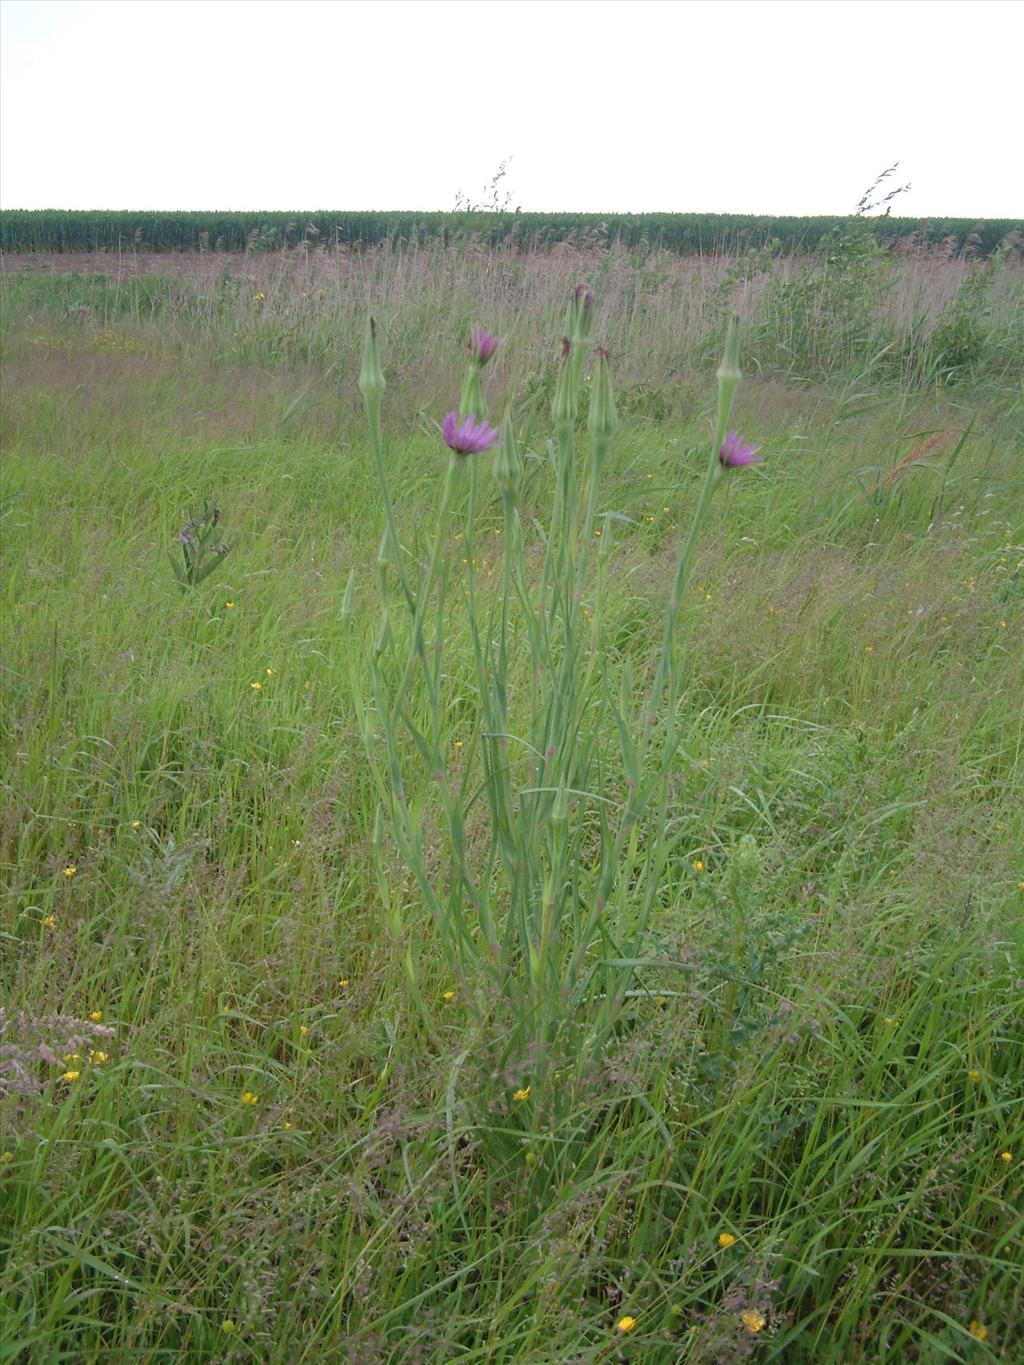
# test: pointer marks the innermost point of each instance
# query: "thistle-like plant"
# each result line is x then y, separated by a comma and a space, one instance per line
528, 802
201, 552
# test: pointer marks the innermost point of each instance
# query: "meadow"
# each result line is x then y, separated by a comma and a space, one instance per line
260, 1101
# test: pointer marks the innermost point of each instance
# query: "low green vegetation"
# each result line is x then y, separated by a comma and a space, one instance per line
236, 1125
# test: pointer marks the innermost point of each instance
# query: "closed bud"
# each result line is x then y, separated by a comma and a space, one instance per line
564, 406
371, 376
508, 463
603, 418
730, 366
579, 314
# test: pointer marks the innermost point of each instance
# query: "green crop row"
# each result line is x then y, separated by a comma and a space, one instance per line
55, 230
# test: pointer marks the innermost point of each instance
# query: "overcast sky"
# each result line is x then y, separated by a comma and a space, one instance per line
675, 105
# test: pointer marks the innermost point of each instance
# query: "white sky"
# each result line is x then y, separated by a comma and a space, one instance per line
738, 106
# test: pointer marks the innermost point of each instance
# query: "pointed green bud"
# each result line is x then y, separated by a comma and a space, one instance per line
560, 808
371, 376
728, 381
564, 406
348, 601
579, 314
730, 366
603, 418
508, 463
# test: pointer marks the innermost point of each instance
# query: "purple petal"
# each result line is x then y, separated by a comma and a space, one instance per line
735, 453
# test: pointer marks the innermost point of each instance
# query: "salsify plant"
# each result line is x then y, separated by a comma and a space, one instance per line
529, 806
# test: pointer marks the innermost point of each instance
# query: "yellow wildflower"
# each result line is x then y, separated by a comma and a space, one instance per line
698, 865
521, 1095
96, 1016
97, 1058
249, 1098
1006, 1156
626, 1324
303, 1030
287, 1125
69, 1057
49, 921
229, 605
448, 996
974, 1076
70, 1076
271, 672
343, 983
69, 872
256, 687
725, 1239
978, 1330
136, 824
753, 1321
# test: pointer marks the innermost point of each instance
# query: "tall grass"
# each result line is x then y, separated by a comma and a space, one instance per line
849, 309
279, 1158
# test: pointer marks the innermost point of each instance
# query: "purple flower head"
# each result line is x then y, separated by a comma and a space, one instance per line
468, 437
734, 453
482, 346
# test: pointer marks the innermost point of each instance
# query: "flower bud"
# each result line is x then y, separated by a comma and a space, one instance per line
371, 376
602, 418
508, 463
579, 314
564, 406
730, 366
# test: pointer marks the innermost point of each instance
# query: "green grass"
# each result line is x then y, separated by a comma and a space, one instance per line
831, 1080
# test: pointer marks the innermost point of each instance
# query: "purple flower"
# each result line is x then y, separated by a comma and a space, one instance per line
735, 453
468, 437
482, 346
